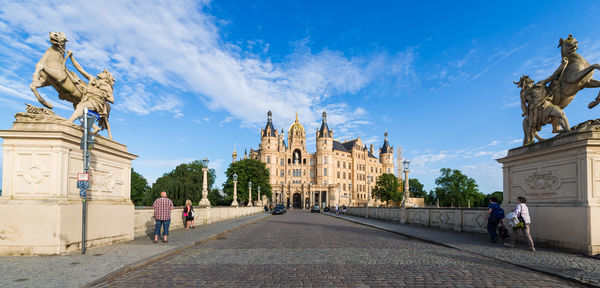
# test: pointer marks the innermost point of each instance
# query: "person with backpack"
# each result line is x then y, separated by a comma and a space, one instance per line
495, 215
522, 213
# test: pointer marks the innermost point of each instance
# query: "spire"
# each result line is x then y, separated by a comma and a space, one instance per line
386, 144
269, 130
324, 130
234, 155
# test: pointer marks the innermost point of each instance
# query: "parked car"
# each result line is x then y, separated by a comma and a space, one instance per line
278, 210
315, 209
326, 209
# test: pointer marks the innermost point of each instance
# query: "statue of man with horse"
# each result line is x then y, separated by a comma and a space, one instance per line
51, 70
573, 75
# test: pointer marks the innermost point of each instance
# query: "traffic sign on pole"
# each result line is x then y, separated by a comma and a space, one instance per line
83, 176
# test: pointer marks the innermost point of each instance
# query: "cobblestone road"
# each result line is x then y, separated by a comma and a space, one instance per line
303, 249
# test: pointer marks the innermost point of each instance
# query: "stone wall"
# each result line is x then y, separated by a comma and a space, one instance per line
144, 223
457, 219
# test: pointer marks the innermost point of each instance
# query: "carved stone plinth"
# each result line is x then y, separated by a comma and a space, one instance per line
40, 205
560, 178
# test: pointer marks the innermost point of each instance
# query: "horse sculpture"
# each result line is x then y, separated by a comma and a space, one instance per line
51, 70
574, 74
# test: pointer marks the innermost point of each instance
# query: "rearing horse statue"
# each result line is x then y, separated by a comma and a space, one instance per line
51, 71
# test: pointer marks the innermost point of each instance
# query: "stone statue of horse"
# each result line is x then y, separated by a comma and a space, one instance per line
575, 76
51, 71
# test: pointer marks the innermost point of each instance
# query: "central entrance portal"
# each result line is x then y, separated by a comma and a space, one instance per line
297, 200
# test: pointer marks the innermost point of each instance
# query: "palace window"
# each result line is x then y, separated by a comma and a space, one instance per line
338, 174
312, 161
281, 161
344, 165
343, 175
338, 164
389, 170
282, 173
312, 173
268, 159
324, 182
304, 172
324, 159
325, 171
344, 187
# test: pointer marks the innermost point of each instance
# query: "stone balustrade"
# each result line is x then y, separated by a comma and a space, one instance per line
144, 223
457, 219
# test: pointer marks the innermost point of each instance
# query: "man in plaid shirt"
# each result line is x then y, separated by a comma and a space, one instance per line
162, 215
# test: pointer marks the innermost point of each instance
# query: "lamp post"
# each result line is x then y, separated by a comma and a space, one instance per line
406, 165
204, 201
250, 194
259, 202
234, 203
369, 180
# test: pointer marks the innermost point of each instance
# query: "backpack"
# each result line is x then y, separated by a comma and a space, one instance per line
498, 213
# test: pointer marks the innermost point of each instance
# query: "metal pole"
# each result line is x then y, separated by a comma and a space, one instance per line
86, 159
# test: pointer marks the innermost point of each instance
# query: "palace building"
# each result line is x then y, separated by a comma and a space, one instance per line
337, 173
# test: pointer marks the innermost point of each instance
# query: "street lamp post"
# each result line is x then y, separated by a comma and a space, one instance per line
406, 165
204, 201
250, 194
369, 180
234, 203
259, 202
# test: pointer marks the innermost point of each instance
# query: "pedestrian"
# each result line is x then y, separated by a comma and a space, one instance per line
337, 209
188, 212
522, 213
495, 215
162, 215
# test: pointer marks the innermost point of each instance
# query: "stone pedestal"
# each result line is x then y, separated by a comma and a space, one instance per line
40, 205
560, 178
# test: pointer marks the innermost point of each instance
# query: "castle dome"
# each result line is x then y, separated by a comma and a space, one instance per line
296, 127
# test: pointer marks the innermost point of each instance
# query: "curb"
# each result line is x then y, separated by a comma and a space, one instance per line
561, 276
141, 263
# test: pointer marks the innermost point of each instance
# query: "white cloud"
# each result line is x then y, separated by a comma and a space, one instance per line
177, 45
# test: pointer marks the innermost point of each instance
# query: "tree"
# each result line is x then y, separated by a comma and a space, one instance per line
139, 188
387, 188
247, 170
498, 194
182, 183
456, 189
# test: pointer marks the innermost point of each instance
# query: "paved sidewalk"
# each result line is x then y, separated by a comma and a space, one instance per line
571, 266
76, 270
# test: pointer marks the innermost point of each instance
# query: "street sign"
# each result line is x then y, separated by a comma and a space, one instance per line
83, 184
82, 192
83, 176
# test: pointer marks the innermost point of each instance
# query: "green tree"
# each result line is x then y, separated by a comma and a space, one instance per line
217, 199
139, 188
247, 170
387, 188
456, 189
183, 182
498, 194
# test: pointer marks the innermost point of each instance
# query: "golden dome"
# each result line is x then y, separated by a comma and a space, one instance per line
296, 126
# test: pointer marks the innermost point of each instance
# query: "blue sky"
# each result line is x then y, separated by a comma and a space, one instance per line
196, 78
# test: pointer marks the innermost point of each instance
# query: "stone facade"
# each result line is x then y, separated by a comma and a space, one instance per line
337, 173
40, 206
560, 178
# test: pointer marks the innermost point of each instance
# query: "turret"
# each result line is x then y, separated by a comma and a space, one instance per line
268, 136
386, 156
324, 135
233, 156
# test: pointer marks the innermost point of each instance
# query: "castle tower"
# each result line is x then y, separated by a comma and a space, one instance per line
297, 136
386, 156
269, 145
233, 156
324, 135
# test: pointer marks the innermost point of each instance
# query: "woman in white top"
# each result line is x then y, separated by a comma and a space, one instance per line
522, 212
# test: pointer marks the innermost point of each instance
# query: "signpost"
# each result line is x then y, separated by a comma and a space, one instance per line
83, 179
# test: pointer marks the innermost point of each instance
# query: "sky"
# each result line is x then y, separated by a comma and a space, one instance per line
194, 79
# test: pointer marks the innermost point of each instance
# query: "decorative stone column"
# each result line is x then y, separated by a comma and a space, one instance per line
250, 194
234, 203
259, 201
204, 201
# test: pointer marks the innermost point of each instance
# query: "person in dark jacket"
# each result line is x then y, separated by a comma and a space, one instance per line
495, 215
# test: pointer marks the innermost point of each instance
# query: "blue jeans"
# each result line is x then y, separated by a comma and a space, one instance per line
492, 227
165, 224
